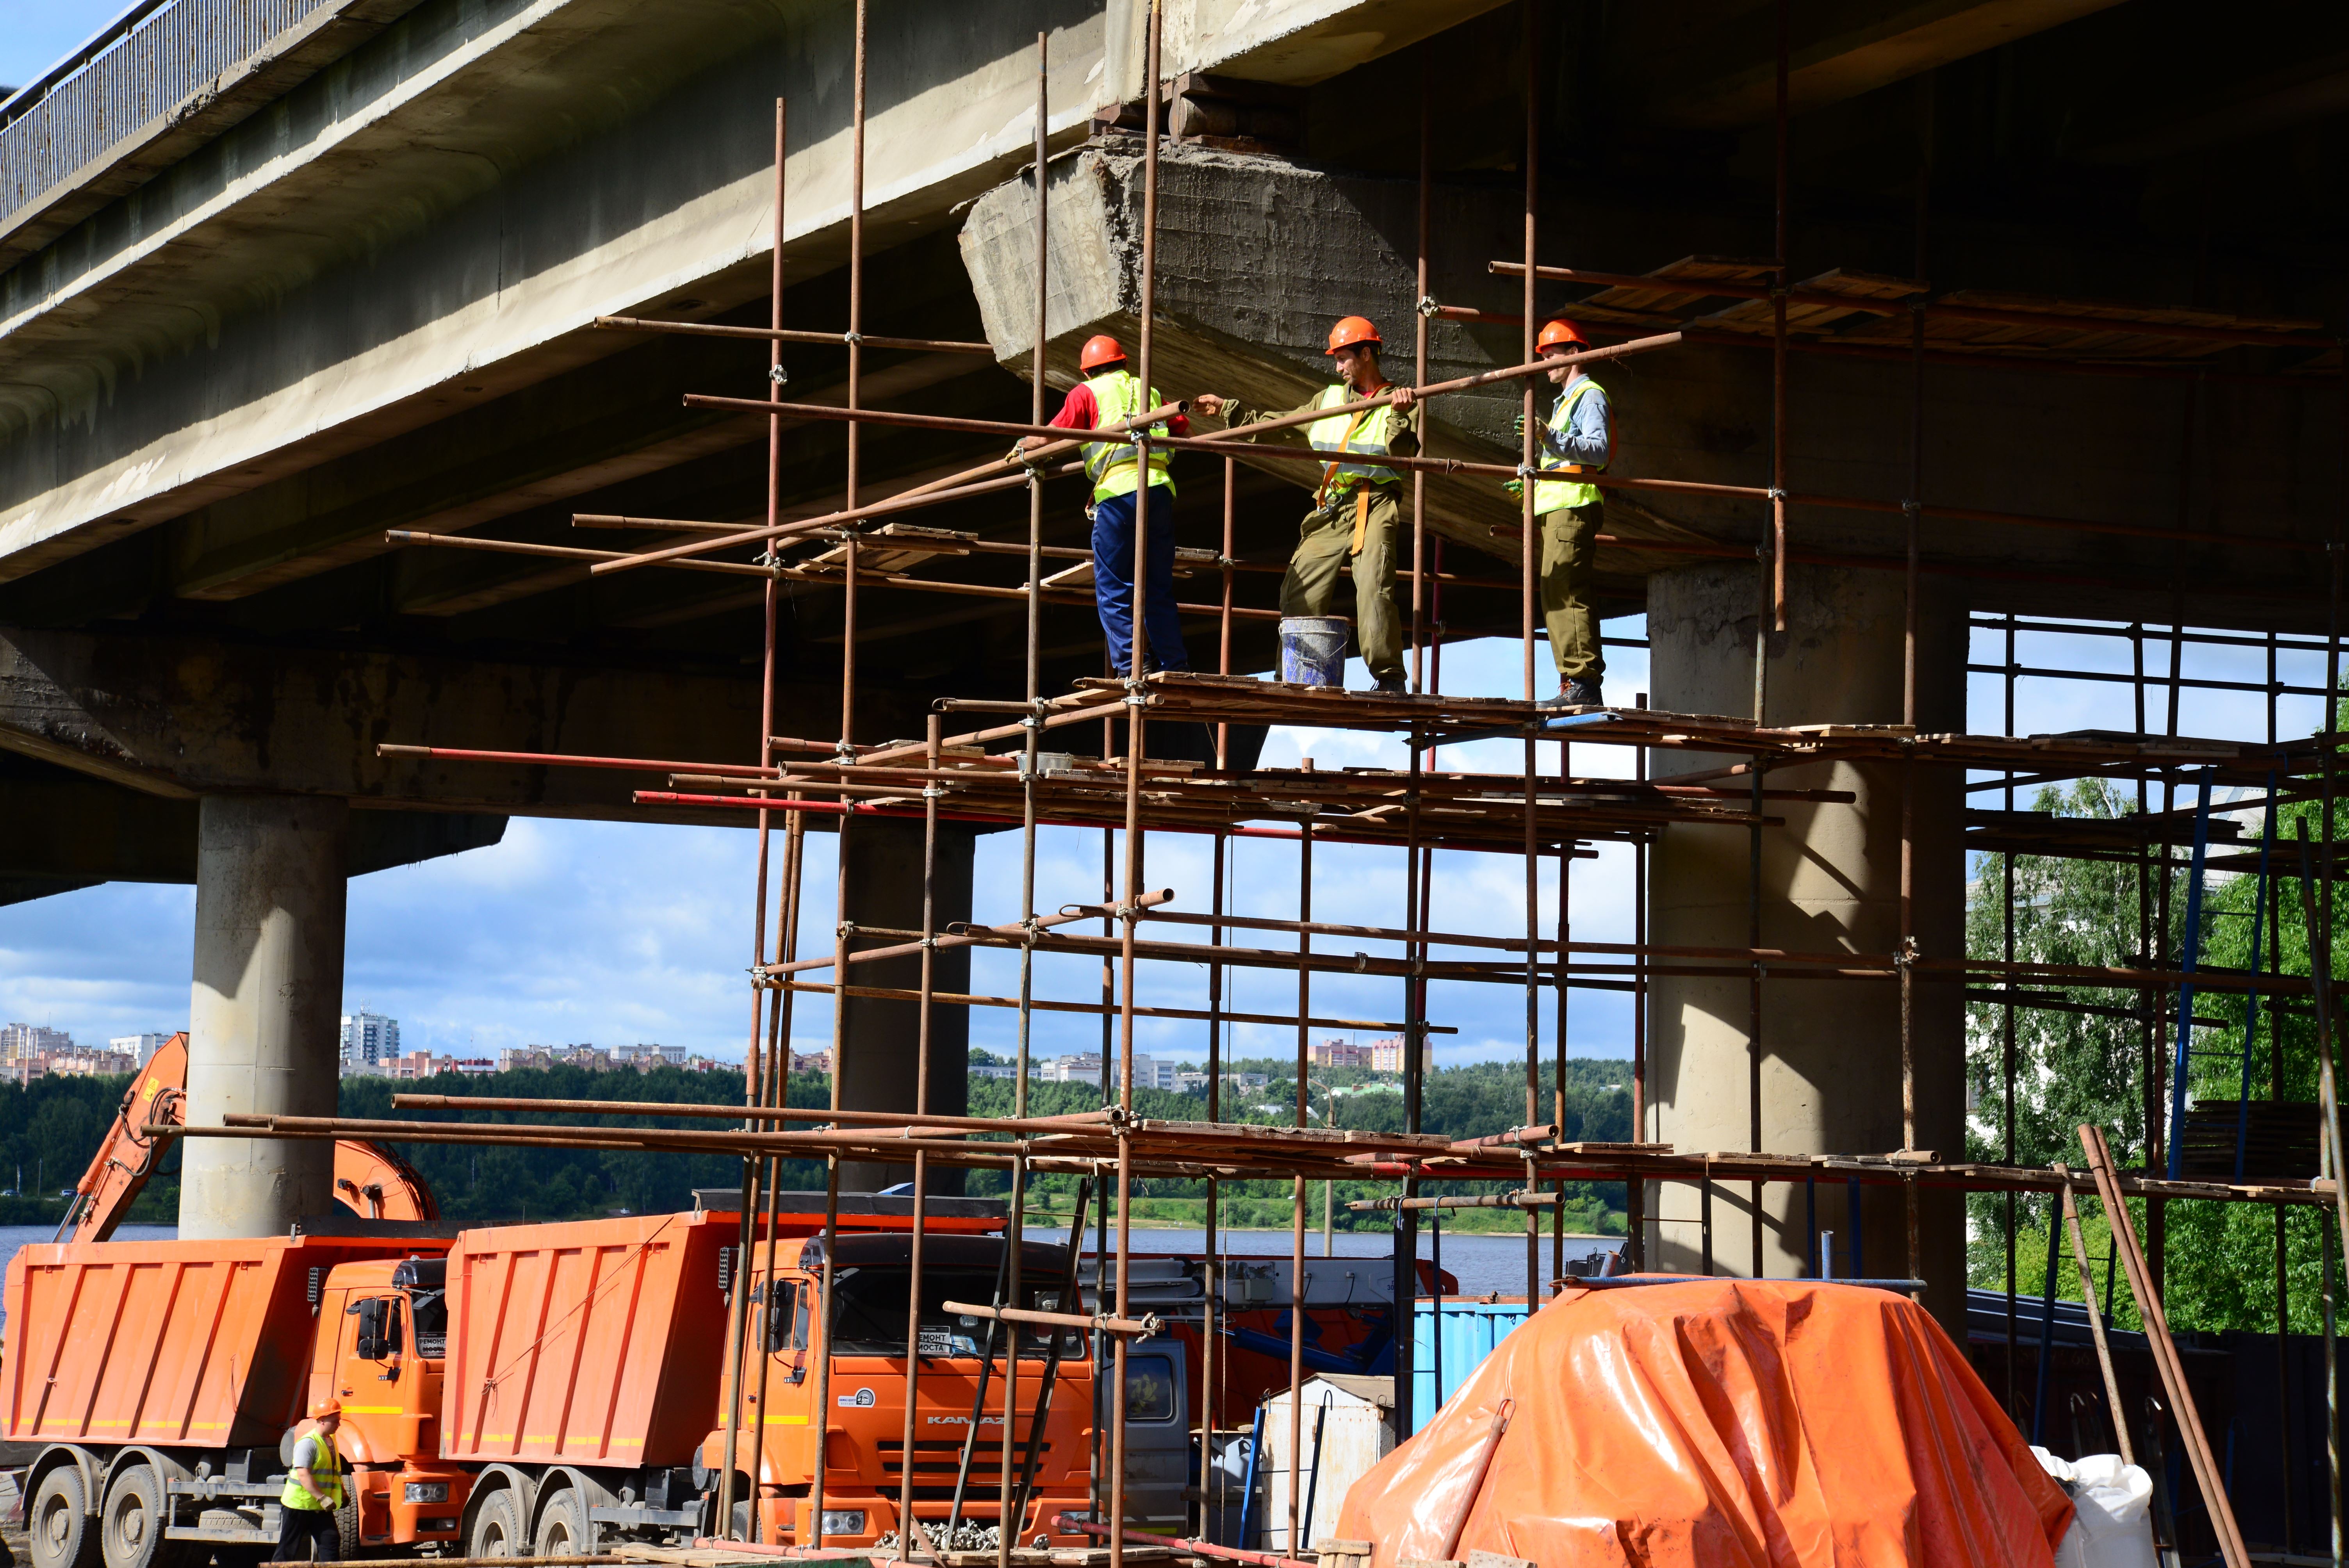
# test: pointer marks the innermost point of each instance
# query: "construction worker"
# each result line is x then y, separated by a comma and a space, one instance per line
1357, 514
314, 1492
1110, 393
1576, 433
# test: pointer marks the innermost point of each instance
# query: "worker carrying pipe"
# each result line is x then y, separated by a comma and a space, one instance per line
314, 1492
1577, 434
1109, 394
1357, 514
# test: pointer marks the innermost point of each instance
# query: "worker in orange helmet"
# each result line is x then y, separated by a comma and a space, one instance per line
1357, 516
1577, 434
1109, 394
313, 1494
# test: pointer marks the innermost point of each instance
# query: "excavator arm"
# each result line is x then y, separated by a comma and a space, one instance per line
370, 1179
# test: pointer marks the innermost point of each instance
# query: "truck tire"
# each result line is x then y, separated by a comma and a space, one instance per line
132, 1522
563, 1528
347, 1531
497, 1527
63, 1534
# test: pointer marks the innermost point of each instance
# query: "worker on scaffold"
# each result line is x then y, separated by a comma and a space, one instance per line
1577, 434
1357, 516
1109, 394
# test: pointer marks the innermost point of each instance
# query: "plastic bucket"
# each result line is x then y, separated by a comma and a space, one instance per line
1313, 650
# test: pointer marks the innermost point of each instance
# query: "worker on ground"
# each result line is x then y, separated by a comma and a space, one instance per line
1576, 433
313, 1493
1109, 394
1357, 516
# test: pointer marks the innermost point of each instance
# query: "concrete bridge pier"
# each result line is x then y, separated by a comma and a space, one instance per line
1830, 881
265, 1014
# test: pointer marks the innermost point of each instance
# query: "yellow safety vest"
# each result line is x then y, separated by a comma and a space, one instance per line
1366, 432
328, 1469
1557, 495
1117, 395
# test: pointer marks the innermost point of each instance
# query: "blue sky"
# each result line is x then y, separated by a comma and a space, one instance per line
36, 34
615, 933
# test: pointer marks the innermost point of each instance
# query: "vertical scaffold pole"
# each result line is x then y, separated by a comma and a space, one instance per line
819, 1429
1529, 563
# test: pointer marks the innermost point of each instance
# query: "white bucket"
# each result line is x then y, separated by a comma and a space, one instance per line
1313, 650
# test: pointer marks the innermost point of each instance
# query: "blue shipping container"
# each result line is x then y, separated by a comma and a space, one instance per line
1470, 1330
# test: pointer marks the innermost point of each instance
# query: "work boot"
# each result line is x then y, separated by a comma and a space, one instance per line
1573, 694
1390, 686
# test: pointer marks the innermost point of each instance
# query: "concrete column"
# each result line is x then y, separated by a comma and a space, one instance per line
883, 1058
1830, 881
263, 1017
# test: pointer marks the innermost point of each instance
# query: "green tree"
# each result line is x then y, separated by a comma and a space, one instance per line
2085, 1058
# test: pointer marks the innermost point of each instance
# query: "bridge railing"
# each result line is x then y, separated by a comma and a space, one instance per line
122, 83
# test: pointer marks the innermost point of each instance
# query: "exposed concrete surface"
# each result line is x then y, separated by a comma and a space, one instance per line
408, 231
881, 1066
1308, 256
1259, 254
1830, 881
202, 715
263, 1014
77, 831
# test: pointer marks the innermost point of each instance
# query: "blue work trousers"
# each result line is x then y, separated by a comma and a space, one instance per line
1113, 582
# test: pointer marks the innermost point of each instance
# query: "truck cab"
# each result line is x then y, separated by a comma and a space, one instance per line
380, 1349
864, 1454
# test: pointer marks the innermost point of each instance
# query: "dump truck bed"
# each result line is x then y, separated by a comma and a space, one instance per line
597, 1342
175, 1344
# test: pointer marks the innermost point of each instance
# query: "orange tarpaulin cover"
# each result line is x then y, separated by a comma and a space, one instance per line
1724, 1423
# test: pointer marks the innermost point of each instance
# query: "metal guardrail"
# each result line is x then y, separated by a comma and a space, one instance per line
119, 84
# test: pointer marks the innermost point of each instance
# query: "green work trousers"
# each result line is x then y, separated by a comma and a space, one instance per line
1567, 606
1325, 544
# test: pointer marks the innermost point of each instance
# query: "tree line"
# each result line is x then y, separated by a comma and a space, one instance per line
50, 1128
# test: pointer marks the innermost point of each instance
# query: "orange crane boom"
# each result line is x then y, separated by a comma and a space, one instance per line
370, 1179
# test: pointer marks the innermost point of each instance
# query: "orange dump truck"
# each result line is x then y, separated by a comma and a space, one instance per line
518, 1391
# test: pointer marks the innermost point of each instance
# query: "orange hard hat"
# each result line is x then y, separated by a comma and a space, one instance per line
326, 1408
1352, 330
1099, 349
1558, 332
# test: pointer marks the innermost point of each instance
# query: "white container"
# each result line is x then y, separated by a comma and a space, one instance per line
2112, 1522
1356, 1420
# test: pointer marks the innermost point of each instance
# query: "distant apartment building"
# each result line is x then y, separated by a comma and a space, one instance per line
31, 1042
1085, 1066
82, 1061
1338, 1054
818, 1062
369, 1038
1387, 1056
138, 1048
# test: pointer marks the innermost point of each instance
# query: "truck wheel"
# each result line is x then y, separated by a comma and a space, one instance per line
131, 1524
346, 1530
497, 1527
564, 1527
58, 1523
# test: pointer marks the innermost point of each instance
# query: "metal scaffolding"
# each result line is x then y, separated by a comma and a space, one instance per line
993, 772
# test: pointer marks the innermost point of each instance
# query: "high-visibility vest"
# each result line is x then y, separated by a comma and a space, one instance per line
1557, 495
326, 1470
1366, 432
1117, 395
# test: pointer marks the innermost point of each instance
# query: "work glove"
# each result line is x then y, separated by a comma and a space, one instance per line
1517, 489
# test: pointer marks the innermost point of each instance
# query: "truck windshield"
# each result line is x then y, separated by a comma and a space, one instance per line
869, 1315
430, 1309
